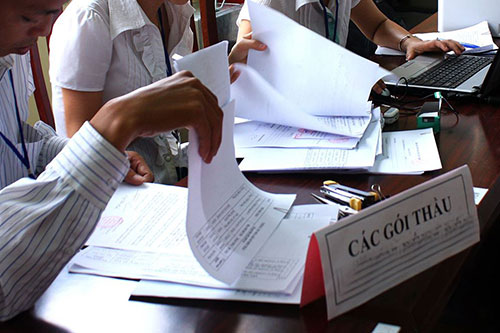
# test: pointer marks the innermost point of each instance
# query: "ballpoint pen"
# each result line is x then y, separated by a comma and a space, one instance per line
470, 46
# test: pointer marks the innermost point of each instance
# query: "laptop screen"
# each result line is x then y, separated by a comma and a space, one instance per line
458, 14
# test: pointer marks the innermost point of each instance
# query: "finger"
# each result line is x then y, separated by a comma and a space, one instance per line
234, 76
442, 46
139, 165
133, 178
145, 172
214, 119
455, 47
411, 54
247, 44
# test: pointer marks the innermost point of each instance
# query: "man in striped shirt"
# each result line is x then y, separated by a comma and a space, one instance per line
45, 221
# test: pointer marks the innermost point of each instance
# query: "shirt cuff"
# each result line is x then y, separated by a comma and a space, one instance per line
91, 165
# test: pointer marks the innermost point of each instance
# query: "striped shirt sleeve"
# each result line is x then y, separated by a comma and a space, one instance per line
44, 222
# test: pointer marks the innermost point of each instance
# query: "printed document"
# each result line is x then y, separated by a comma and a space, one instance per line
256, 99
257, 134
229, 219
283, 159
142, 245
313, 73
408, 152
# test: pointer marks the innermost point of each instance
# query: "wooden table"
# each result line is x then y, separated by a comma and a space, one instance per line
82, 303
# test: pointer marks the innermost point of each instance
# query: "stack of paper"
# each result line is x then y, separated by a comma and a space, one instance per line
307, 99
142, 235
222, 232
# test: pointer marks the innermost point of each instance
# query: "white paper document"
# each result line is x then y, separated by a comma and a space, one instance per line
215, 76
257, 100
383, 245
149, 288
479, 194
478, 35
229, 219
275, 268
258, 134
317, 75
408, 152
283, 159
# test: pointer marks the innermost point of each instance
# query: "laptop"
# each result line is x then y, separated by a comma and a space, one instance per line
462, 74
458, 14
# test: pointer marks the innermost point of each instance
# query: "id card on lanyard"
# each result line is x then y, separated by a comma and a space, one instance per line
330, 21
24, 157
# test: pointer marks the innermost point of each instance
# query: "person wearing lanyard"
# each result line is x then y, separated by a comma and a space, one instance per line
330, 18
45, 221
121, 45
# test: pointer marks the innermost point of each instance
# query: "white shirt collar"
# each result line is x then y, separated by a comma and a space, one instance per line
300, 3
127, 15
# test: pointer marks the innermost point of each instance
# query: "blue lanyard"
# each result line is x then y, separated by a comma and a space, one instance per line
162, 31
325, 17
23, 158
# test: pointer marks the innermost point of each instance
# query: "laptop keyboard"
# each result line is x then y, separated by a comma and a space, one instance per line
451, 72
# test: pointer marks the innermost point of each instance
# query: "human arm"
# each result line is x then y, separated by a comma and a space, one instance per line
384, 32
79, 107
179, 101
44, 222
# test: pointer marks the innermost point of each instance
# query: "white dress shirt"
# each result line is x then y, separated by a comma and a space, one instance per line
309, 13
44, 222
113, 47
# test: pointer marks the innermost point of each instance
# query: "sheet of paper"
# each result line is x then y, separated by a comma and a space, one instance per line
215, 76
479, 194
408, 152
386, 244
257, 100
284, 159
275, 268
258, 134
143, 218
229, 219
319, 76
478, 34
174, 290
313, 212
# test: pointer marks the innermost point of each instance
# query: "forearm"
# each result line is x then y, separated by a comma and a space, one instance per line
376, 26
389, 34
43, 222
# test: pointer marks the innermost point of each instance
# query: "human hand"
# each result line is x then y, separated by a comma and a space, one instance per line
178, 101
239, 53
139, 171
415, 47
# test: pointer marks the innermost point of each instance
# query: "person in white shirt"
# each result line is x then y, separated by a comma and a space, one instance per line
53, 190
330, 18
120, 45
